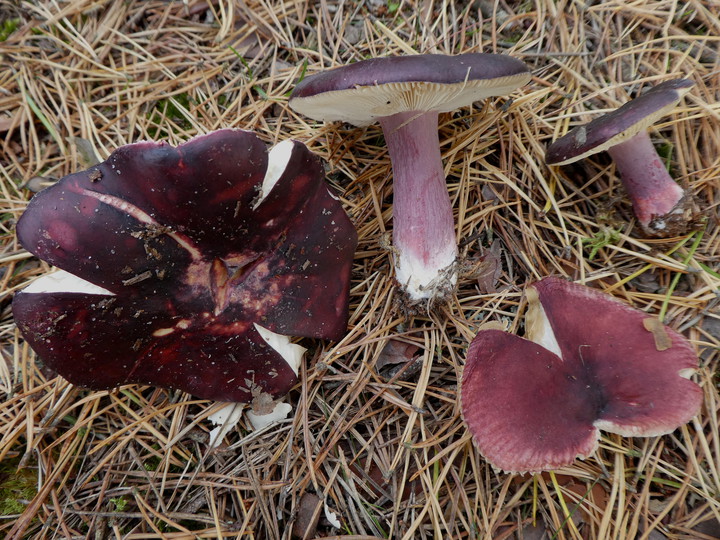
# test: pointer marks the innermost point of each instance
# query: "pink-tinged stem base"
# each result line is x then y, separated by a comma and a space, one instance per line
423, 225
651, 189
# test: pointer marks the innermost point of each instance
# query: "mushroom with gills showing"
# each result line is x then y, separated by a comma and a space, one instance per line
405, 94
661, 206
188, 267
589, 363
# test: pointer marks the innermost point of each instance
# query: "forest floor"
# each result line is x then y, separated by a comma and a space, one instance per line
383, 452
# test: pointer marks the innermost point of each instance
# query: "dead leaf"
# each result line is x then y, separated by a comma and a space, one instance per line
662, 340
592, 496
490, 269
38, 183
371, 480
488, 194
712, 326
709, 528
249, 47
278, 66
262, 402
493, 325
87, 156
647, 282
532, 532
6, 123
395, 357
307, 516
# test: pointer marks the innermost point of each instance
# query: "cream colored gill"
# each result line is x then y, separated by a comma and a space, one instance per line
537, 325
642, 125
364, 105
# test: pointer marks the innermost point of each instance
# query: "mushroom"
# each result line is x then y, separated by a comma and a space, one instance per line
661, 206
188, 267
589, 362
405, 94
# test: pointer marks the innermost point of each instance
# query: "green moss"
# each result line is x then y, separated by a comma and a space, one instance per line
8, 27
602, 238
17, 487
152, 463
120, 503
175, 109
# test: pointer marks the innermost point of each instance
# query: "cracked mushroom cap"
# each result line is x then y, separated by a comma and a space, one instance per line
365, 91
619, 125
187, 267
589, 363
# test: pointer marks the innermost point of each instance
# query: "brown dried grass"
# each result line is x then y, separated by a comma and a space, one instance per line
392, 459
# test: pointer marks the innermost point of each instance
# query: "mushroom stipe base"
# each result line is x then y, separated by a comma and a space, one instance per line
684, 217
438, 292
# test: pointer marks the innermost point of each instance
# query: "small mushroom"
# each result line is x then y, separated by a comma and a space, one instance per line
588, 363
405, 94
661, 206
188, 267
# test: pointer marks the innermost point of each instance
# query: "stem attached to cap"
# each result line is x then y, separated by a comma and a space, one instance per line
423, 229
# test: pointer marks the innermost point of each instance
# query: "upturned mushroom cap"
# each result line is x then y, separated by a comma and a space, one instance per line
589, 363
619, 125
190, 267
362, 92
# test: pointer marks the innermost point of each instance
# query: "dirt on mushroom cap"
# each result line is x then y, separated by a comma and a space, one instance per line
191, 262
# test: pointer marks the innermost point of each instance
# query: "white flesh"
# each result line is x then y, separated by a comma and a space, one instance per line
64, 282
280, 412
290, 352
537, 325
278, 158
421, 281
225, 419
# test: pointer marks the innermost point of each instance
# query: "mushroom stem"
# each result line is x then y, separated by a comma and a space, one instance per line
423, 226
653, 192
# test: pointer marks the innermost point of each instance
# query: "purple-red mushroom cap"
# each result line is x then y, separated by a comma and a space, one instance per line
619, 125
661, 206
405, 94
188, 267
363, 92
589, 363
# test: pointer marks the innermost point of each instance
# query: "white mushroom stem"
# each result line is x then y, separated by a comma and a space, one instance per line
423, 225
651, 189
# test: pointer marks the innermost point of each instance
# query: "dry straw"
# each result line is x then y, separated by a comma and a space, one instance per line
390, 457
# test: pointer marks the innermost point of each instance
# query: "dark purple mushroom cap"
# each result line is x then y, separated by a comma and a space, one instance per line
619, 125
202, 258
362, 92
590, 363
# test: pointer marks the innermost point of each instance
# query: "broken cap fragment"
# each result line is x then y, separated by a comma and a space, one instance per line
588, 363
660, 204
188, 267
405, 94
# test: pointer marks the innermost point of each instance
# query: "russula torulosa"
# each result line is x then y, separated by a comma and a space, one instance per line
661, 206
188, 267
405, 94
588, 363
